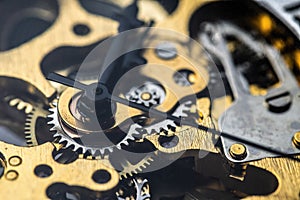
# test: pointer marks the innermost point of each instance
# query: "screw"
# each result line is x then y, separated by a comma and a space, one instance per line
296, 139
238, 151
278, 101
166, 50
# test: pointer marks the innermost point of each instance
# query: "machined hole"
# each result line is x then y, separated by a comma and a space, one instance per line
81, 29
168, 142
43, 171
184, 77
101, 176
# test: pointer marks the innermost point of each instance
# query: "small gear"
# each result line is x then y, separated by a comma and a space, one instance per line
149, 94
164, 126
143, 189
68, 141
134, 189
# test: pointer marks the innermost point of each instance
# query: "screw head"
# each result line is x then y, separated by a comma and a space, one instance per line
238, 151
166, 50
296, 139
278, 100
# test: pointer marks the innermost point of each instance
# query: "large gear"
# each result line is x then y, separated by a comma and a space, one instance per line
129, 169
135, 131
98, 153
69, 142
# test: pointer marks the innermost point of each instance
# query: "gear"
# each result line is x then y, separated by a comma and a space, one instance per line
129, 169
164, 126
19, 104
149, 94
138, 186
143, 189
183, 109
68, 141
30, 124
33, 112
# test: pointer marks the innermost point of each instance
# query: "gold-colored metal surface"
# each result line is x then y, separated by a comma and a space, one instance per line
191, 138
287, 173
24, 62
167, 68
21, 172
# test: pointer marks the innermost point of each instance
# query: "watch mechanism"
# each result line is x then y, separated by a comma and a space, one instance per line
149, 99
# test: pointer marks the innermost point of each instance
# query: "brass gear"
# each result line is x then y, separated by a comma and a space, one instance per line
30, 124
19, 104
33, 112
30, 136
130, 169
68, 141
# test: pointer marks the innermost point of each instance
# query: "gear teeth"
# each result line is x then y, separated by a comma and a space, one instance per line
30, 124
130, 136
135, 169
125, 141
182, 109
56, 135
94, 151
27, 136
27, 128
125, 176
19, 104
134, 94
52, 129
160, 126
68, 143
147, 104
76, 147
